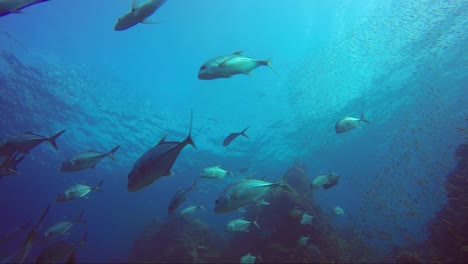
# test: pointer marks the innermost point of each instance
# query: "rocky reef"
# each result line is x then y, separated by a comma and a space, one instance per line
185, 240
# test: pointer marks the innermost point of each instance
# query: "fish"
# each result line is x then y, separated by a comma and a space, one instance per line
349, 123
23, 143
192, 209
240, 225
302, 241
179, 197
138, 14
325, 181
233, 136
21, 255
78, 191
246, 191
86, 160
15, 6
8, 167
14, 233
215, 172
157, 162
61, 251
60, 229
249, 259
338, 211
226, 66
306, 219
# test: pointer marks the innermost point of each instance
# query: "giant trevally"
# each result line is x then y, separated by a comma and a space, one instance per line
78, 191
215, 172
60, 229
26, 141
61, 252
246, 191
349, 123
240, 225
138, 14
233, 136
8, 167
86, 160
228, 65
326, 181
157, 162
15, 6
179, 197
21, 255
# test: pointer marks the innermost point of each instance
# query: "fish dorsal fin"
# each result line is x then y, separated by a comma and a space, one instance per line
239, 52
134, 5
162, 141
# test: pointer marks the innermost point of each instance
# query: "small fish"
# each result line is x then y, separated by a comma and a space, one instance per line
246, 191
249, 259
78, 191
21, 255
192, 209
23, 143
239, 225
86, 160
233, 136
8, 167
325, 181
228, 65
60, 229
15, 6
138, 14
302, 241
215, 172
338, 210
306, 219
349, 123
157, 162
61, 252
14, 233
179, 197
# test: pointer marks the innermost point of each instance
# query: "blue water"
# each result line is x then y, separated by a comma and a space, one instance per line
402, 63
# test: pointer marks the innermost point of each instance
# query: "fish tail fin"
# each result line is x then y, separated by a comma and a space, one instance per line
230, 173
363, 118
255, 223
54, 137
243, 132
268, 63
99, 186
111, 153
202, 207
82, 241
286, 187
80, 219
189, 139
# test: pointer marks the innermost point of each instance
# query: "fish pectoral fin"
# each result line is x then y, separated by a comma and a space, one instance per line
263, 202
239, 52
249, 74
223, 63
149, 21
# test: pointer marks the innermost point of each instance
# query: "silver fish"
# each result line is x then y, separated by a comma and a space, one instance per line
246, 191
78, 191
302, 241
157, 162
26, 141
349, 123
15, 6
240, 225
215, 172
228, 65
138, 14
86, 160
192, 209
306, 219
326, 181
60, 229
249, 259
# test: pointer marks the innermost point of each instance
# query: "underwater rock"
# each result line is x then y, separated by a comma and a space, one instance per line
178, 239
448, 232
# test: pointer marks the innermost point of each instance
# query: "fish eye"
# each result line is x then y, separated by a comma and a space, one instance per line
203, 67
